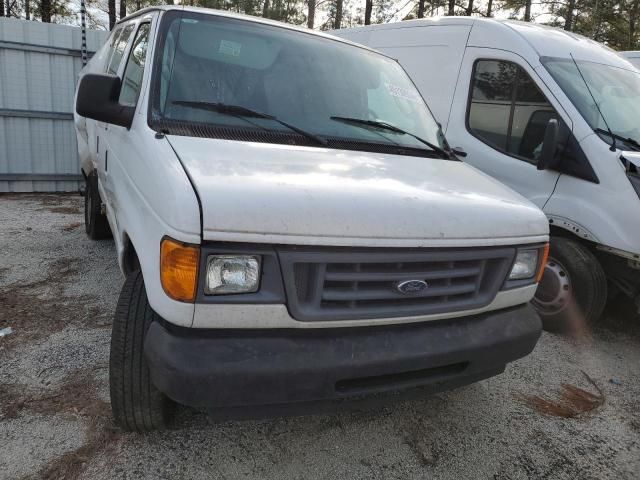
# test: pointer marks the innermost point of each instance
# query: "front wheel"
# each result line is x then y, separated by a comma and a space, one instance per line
137, 405
573, 289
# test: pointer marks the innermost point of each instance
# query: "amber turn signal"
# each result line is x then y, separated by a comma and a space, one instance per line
543, 263
179, 269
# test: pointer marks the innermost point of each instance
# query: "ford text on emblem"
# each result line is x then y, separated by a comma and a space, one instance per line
412, 287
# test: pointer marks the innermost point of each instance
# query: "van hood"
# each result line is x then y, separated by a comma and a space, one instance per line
264, 193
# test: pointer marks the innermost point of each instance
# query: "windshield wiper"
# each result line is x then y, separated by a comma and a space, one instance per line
240, 111
627, 140
392, 128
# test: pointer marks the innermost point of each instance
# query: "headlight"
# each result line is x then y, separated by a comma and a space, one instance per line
232, 274
525, 265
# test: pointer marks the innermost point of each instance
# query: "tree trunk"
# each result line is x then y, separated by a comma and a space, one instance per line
1, 8
633, 24
368, 8
452, 6
595, 34
568, 19
111, 6
338, 20
311, 15
469, 10
45, 11
123, 9
265, 9
527, 11
489, 5
27, 9
420, 8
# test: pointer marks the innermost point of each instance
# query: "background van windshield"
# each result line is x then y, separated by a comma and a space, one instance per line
299, 78
616, 91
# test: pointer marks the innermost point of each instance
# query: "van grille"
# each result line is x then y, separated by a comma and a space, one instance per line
356, 284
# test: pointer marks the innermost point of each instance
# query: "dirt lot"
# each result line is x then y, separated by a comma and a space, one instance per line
569, 410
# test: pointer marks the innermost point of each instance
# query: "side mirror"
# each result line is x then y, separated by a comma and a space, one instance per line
98, 99
549, 145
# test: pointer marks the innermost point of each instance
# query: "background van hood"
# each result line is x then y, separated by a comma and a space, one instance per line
256, 192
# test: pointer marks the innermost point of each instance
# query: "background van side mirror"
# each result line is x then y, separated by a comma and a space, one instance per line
98, 99
549, 145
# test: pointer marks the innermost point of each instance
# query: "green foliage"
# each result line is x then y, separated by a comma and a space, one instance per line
613, 22
250, 7
290, 11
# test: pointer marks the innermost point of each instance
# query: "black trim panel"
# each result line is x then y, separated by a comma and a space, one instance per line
227, 368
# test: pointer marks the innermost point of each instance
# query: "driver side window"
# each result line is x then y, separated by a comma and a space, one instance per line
507, 110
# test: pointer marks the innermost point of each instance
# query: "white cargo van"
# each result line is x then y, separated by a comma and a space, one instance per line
554, 116
632, 56
280, 247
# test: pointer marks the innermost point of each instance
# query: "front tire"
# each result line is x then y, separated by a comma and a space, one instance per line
573, 290
95, 223
137, 405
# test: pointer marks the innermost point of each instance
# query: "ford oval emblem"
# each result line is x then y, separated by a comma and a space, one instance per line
412, 287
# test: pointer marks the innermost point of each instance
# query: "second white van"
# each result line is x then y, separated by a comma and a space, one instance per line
514, 95
632, 56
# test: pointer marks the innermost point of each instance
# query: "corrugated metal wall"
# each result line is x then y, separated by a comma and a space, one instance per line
39, 66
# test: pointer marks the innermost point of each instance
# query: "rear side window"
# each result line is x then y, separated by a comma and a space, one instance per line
119, 48
132, 79
507, 110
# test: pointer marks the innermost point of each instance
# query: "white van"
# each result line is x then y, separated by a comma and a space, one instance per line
632, 56
279, 247
554, 116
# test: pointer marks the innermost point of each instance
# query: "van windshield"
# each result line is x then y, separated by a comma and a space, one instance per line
616, 91
212, 72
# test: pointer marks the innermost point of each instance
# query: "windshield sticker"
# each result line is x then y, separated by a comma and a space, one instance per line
229, 48
404, 93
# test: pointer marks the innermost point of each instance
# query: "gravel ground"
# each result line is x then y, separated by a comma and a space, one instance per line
58, 291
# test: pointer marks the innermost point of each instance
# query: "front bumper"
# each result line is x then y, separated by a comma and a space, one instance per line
234, 368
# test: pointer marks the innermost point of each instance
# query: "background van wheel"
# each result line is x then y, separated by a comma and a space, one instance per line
573, 290
96, 224
135, 402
